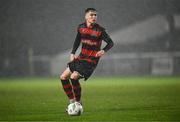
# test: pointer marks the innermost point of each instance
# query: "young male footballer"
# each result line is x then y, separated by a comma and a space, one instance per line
90, 35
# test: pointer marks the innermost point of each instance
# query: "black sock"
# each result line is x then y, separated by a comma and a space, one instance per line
77, 89
68, 88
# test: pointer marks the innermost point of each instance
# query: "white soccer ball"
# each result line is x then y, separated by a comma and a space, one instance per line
75, 109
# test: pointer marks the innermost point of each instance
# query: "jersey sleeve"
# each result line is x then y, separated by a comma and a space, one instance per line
108, 40
76, 43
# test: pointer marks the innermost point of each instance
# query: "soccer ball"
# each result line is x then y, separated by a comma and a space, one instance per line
75, 109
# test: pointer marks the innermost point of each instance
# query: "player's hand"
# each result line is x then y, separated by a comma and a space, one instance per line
100, 53
73, 57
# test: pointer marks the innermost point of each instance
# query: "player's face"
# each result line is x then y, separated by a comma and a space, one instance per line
91, 17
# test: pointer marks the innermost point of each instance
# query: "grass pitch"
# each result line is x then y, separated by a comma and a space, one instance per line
104, 99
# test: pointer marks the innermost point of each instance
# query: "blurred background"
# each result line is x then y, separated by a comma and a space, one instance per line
36, 36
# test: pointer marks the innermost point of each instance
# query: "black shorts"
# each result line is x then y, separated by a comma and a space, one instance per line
84, 68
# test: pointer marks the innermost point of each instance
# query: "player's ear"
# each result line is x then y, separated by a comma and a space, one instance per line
86, 16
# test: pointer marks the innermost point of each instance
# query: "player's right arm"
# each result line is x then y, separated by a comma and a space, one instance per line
75, 47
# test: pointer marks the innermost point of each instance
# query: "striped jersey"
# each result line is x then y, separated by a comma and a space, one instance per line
91, 39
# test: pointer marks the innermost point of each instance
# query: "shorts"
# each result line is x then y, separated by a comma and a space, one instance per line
84, 68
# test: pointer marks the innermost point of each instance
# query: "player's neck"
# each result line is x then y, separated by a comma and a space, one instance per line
89, 25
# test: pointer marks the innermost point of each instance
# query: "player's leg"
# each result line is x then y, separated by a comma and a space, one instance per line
76, 85
68, 89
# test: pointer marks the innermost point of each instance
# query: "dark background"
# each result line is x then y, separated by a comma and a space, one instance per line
48, 27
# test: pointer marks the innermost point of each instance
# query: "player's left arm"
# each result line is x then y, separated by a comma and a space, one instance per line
108, 46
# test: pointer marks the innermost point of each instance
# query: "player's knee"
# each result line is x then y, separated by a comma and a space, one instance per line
63, 77
74, 76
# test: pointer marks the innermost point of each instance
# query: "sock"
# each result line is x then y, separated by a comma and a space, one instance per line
77, 89
68, 89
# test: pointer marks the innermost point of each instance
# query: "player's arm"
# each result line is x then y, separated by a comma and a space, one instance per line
108, 46
75, 47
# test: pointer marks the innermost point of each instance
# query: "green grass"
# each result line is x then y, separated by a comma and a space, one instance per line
104, 99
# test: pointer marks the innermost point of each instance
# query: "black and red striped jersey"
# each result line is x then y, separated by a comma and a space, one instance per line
91, 39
